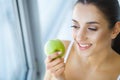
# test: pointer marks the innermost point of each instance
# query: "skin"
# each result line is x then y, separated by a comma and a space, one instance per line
91, 56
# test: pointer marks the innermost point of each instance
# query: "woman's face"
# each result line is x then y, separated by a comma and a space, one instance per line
90, 30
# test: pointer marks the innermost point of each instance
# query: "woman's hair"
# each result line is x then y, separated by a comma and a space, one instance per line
111, 11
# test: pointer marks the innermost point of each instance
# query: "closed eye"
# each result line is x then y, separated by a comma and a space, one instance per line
93, 29
76, 27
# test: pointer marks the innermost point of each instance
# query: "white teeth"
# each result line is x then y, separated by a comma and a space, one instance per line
84, 45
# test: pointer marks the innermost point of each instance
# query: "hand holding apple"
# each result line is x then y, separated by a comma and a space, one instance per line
54, 62
55, 67
54, 45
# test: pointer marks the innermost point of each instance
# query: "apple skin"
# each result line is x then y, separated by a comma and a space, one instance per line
54, 45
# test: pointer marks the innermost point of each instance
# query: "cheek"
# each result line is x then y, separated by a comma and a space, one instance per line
102, 38
74, 34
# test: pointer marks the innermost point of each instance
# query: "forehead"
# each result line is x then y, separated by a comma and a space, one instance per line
87, 12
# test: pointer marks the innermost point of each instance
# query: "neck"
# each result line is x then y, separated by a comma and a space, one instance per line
95, 60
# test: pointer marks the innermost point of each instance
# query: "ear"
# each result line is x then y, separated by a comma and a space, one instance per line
116, 30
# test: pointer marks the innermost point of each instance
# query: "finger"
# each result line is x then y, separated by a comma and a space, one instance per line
50, 57
53, 56
58, 67
59, 72
57, 61
54, 63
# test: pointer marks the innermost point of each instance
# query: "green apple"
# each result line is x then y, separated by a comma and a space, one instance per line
54, 45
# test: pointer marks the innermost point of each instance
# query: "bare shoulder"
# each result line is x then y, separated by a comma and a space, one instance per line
66, 43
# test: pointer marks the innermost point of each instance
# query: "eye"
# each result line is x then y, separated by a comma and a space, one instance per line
75, 27
92, 28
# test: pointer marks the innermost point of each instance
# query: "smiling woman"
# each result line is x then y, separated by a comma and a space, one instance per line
92, 56
90, 29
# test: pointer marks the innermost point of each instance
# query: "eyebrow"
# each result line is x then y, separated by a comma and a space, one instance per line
74, 21
91, 22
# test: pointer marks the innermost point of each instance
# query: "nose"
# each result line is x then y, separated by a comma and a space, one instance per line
81, 35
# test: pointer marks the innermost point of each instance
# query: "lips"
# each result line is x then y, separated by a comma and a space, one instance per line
84, 46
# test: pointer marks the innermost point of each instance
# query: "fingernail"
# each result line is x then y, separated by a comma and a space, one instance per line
59, 52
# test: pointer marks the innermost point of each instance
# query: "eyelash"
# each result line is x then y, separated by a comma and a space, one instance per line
93, 29
76, 27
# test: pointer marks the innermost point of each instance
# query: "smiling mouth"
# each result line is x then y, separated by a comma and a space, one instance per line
84, 46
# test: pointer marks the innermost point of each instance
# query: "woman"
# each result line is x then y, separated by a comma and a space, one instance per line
94, 54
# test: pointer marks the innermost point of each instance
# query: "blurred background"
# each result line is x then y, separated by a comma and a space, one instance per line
25, 26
